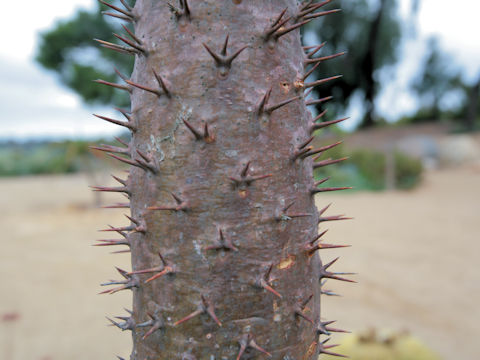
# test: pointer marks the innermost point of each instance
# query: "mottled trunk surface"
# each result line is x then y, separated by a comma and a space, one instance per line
223, 218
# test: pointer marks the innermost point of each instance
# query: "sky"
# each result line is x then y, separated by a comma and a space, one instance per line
455, 26
34, 104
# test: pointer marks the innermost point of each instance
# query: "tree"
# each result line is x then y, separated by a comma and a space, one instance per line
473, 106
371, 32
69, 50
439, 77
223, 228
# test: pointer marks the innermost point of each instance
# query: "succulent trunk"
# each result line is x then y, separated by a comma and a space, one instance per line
223, 231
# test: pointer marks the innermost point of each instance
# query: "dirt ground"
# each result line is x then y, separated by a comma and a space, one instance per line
417, 254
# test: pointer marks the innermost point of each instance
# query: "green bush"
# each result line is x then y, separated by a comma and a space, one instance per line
43, 158
371, 165
365, 169
408, 171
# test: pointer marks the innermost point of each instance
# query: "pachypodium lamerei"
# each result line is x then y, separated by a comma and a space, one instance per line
223, 227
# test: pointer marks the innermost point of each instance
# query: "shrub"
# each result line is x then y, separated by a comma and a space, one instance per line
408, 170
365, 170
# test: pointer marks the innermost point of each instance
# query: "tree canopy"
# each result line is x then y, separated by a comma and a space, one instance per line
370, 32
439, 77
69, 50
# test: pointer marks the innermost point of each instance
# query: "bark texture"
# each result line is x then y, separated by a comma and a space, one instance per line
223, 218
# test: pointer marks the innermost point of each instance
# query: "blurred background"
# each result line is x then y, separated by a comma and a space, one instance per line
411, 85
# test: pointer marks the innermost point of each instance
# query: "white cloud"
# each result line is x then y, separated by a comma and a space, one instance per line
35, 105
33, 102
23, 20
457, 25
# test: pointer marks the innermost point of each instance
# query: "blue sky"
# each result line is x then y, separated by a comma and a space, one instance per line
34, 105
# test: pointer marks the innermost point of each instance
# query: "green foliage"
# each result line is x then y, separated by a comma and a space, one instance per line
44, 158
371, 165
70, 51
365, 169
371, 34
345, 175
439, 78
387, 347
350, 31
408, 171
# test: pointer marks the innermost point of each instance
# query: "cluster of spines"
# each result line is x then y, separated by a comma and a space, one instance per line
132, 45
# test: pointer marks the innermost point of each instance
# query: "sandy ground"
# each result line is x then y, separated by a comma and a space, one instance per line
417, 254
